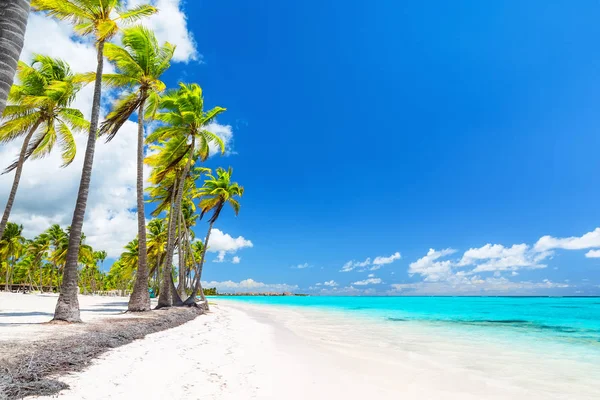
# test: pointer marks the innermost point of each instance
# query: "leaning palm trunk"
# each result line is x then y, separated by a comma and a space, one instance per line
17, 179
181, 271
192, 299
168, 292
140, 298
67, 307
13, 23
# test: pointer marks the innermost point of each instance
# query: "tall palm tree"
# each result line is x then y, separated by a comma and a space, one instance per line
13, 23
214, 195
185, 123
140, 64
40, 107
11, 248
100, 18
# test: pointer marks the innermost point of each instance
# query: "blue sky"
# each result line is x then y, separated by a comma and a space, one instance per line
362, 129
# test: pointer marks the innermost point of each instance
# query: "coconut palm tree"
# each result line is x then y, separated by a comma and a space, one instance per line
185, 123
38, 248
157, 241
11, 247
41, 111
101, 19
214, 195
140, 64
13, 23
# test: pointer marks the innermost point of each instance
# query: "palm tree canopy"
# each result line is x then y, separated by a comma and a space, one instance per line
139, 64
182, 112
42, 99
100, 18
217, 191
12, 242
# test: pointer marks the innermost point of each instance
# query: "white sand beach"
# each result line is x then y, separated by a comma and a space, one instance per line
241, 351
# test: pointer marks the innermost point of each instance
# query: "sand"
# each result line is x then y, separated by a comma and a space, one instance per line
241, 351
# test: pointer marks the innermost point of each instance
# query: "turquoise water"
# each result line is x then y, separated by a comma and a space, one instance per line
572, 321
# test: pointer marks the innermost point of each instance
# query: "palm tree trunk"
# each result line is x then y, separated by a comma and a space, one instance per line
67, 307
164, 296
17, 178
192, 299
181, 283
168, 293
140, 298
13, 24
201, 291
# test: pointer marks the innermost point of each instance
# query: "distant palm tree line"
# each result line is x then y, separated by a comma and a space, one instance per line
40, 115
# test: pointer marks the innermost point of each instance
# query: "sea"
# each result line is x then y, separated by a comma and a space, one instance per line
566, 325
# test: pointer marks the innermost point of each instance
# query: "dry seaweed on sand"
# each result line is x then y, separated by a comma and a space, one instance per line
34, 368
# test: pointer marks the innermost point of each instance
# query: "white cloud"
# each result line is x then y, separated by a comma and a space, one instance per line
496, 257
370, 281
220, 257
351, 265
593, 254
249, 286
431, 269
170, 25
330, 283
371, 276
374, 266
589, 240
224, 242
236, 260
387, 260
301, 266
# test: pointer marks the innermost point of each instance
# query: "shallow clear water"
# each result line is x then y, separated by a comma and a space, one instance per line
572, 325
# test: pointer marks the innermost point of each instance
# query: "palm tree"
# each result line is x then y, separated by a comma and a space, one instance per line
13, 23
140, 64
38, 248
100, 18
40, 107
59, 241
185, 119
157, 240
11, 248
214, 194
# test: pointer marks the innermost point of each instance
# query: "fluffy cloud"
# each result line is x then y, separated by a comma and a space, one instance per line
431, 269
375, 265
387, 260
236, 260
496, 257
249, 286
369, 281
224, 242
589, 240
593, 254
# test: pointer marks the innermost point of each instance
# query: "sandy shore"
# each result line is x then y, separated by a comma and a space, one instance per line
241, 351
